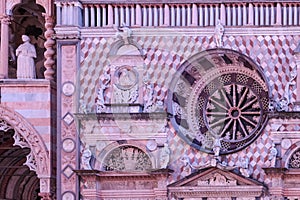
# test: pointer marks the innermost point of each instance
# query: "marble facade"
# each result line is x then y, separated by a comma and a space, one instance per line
143, 100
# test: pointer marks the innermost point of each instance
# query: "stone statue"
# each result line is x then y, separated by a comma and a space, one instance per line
244, 167
25, 62
124, 33
103, 85
217, 146
284, 103
186, 166
86, 158
272, 155
164, 156
219, 32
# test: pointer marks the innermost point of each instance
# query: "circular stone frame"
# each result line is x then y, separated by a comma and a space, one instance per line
219, 94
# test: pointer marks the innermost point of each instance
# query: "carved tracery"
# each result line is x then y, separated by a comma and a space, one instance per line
294, 161
26, 136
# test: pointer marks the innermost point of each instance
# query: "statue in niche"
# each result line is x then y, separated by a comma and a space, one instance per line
86, 159
165, 156
219, 32
272, 155
25, 59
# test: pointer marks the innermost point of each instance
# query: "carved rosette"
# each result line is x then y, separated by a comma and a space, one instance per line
219, 94
49, 45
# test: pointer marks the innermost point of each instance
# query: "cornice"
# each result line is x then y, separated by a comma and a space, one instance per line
177, 2
284, 115
192, 31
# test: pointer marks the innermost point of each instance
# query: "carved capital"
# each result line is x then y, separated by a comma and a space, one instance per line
5, 19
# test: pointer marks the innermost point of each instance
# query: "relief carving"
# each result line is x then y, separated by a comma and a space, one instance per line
126, 85
217, 179
127, 158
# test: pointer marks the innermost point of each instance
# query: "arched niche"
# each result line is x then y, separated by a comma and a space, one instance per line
25, 136
27, 19
127, 157
291, 158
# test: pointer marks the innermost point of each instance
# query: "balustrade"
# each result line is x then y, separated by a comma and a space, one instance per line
182, 15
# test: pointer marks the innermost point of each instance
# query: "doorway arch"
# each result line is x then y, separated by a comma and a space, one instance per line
27, 148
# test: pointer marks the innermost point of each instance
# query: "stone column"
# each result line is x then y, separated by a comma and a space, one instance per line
49, 44
5, 21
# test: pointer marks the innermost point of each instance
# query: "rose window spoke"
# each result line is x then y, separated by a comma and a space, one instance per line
230, 111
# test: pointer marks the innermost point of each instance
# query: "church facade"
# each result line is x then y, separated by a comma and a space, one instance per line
150, 100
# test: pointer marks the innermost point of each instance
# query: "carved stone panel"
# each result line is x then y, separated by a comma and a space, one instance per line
127, 158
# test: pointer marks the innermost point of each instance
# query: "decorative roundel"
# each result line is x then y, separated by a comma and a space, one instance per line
219, 95
126, 77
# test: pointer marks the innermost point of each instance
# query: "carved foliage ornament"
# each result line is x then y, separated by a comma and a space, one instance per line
218, 94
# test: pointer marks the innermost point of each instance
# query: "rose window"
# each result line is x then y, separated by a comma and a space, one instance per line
219, 94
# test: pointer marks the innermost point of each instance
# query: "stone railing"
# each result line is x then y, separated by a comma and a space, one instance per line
180, 15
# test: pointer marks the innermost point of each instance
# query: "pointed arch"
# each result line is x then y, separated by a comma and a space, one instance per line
26, 136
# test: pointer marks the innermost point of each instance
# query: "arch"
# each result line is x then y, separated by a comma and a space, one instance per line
115, 145
26, 136
46, 4
120, 48
289, 153
219, 95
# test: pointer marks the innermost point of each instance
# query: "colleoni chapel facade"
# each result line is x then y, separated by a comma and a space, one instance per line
151, 100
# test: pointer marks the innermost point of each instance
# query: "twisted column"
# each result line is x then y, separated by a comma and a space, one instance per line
49, 63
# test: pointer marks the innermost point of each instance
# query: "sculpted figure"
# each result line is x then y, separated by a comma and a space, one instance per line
219, 32
244, 167
85, 159
165, 156
25, 62
272, 155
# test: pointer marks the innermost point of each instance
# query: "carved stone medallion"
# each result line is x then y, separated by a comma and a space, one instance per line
68, 88
68, 145
126, 78
219, 94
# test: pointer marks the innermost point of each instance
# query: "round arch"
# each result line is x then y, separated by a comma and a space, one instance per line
46, 4
103, 155
26, 136
289, 153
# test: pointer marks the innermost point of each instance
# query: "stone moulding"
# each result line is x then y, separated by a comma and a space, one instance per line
284, 115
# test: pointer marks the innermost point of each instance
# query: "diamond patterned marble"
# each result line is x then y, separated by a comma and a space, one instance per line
165, 54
